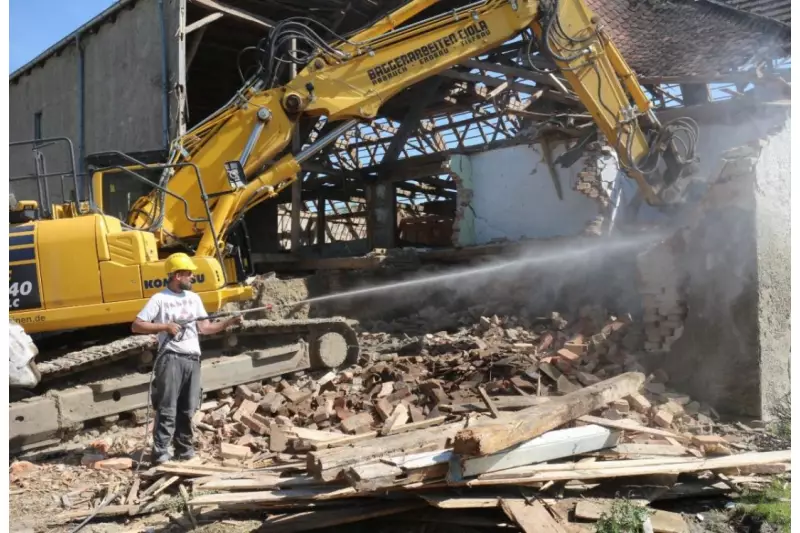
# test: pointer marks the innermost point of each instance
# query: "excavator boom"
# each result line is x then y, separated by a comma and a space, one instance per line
352, 79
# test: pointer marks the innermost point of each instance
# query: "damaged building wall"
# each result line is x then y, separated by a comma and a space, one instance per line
514, 193
714, 308
734, 350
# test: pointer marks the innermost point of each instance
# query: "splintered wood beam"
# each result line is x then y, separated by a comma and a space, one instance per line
535, 421
235, 12
208, 19
517, 72
533, 518
495, 82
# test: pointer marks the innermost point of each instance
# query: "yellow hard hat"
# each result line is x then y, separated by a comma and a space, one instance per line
179, 261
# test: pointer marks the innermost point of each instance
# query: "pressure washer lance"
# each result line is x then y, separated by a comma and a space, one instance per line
161, 351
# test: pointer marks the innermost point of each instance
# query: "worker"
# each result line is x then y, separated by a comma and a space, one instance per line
176, 381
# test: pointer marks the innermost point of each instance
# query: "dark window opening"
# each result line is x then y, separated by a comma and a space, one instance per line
37, 125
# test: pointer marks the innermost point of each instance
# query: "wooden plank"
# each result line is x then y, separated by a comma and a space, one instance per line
185, 498
107, 511
525, 471
649, 449
535, 421
134, 492
532, 518
163, 487
488, 402
326, 465
312, 435
503, 403
449, 501
420, 460
194, 470
344, 441
662, 521
405, 428
371, 476
630, 425
271, 496
259, 483
552, 445
598, 471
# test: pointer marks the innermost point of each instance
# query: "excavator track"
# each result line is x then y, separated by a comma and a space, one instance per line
114, 378
145, 345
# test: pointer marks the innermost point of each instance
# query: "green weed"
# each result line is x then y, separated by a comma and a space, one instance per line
772, 505
625, 517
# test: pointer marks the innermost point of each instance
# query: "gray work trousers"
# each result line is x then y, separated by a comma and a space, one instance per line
176, 397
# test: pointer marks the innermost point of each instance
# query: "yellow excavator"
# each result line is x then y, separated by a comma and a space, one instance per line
82, 268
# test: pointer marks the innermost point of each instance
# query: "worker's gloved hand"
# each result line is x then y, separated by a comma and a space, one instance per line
235, 321
173, 329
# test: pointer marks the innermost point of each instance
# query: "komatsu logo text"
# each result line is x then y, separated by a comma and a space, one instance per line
429, 52
159, 283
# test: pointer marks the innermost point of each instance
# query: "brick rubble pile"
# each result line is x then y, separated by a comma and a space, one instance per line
392, 424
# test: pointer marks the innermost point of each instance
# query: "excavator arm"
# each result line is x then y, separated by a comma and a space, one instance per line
351, 79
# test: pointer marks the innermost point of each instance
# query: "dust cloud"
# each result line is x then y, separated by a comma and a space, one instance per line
533, 277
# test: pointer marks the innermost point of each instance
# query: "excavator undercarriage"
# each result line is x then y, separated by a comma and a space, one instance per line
113, 378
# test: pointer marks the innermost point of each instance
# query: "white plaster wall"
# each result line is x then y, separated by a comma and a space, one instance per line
514, 196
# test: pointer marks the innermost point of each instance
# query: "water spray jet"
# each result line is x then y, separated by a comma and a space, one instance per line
531, 259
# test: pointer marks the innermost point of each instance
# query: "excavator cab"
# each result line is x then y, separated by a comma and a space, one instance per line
35, 165
123, 186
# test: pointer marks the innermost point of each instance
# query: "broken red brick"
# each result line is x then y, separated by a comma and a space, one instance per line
254, 425
296, 396
639, 403
705, 440
232, 451
20, 469
278, 440
115, 463
246, 408
357, 423
663, 418
101, 445
620, 405
569, 355
416, 414
434, 391
246, 393
384, 408
546, 341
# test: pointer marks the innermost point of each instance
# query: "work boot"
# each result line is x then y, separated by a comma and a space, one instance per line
185, 455
159, 458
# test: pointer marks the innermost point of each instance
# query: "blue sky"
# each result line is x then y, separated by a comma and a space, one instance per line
35, 25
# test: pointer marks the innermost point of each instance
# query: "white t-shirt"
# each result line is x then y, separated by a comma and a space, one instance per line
167, 306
